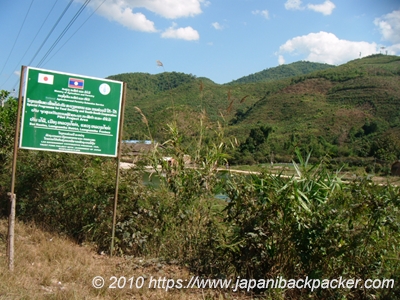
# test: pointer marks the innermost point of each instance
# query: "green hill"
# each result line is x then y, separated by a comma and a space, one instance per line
346, 111
283, 71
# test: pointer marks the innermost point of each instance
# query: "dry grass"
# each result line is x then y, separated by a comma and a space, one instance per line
310, 86
49, 266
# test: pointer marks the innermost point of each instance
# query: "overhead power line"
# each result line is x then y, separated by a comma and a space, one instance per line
51, 31
77, 14
34, 38
61, 35
16, 39
87, 19
48, 35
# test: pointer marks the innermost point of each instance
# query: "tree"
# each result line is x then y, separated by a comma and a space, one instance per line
256, 138
3, 96
386, 147
370, 127
255, 146
8, 117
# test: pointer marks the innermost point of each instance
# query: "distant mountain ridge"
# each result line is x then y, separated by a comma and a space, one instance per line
349, 110
283, 71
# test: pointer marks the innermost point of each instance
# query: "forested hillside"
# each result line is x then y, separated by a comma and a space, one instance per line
283, 71
346, 112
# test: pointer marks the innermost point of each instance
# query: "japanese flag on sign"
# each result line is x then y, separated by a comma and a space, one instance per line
45, 78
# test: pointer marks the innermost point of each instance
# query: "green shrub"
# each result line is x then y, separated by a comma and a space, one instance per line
314, 225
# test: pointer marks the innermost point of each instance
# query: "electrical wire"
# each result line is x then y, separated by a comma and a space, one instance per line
34, 38
64, 32
48, 35
51, 31
87, 19
16, 39
77, 14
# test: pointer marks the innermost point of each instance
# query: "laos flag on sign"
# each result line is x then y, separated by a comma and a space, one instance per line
75, 83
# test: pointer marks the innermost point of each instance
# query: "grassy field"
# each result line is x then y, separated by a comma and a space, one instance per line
289, 170
50, 266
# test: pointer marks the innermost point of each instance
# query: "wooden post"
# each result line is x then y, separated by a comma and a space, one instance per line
11, 225
11, 217
121, 124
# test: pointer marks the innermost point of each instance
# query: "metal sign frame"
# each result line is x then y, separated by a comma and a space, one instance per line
70, 113
83, 112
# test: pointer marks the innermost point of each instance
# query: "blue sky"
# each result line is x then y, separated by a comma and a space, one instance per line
219, 39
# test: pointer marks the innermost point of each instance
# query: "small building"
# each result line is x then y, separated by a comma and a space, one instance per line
395, 169
133, 150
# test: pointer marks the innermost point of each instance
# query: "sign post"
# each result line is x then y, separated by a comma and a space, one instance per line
11, 217
117, 177
69, 113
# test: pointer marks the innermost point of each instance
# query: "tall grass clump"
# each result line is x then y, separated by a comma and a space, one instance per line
314, 225
183, 219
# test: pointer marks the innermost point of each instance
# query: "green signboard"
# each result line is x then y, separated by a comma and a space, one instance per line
70, 113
